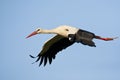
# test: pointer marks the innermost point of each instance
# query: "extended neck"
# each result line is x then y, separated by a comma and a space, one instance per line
51, 31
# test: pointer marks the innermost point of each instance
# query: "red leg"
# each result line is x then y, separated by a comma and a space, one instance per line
105, 39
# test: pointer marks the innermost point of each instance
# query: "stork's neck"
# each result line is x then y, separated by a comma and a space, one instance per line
51, 31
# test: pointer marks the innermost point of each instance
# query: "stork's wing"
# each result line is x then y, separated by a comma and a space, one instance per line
52, 47
85, 37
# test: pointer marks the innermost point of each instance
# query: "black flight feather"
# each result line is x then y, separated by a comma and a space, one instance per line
53, 50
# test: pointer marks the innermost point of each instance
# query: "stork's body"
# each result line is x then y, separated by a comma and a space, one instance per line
66, 36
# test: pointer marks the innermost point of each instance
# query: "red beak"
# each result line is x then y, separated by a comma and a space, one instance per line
32, 34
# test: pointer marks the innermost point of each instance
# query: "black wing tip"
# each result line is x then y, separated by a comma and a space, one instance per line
36, 60
32, 56
42, 60
93, 45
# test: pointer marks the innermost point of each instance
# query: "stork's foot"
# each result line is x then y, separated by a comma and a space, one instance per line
105, 39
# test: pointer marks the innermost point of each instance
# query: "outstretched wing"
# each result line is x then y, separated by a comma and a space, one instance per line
51, 48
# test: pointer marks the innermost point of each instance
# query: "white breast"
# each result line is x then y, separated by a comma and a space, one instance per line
71, 30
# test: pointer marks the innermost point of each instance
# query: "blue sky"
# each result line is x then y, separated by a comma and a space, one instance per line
18, 18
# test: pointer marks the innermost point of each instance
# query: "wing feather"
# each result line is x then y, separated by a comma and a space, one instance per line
51, 48
85, 37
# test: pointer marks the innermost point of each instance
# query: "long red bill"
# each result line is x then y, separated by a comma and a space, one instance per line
33, 33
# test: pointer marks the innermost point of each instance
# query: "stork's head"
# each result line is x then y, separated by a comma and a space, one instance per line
37, 31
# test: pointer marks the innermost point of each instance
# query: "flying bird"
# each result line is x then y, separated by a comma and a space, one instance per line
65, 37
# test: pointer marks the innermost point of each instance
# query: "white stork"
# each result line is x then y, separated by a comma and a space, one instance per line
66, 36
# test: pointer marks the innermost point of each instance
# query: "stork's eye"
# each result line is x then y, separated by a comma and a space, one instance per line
38, 29
66, 30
